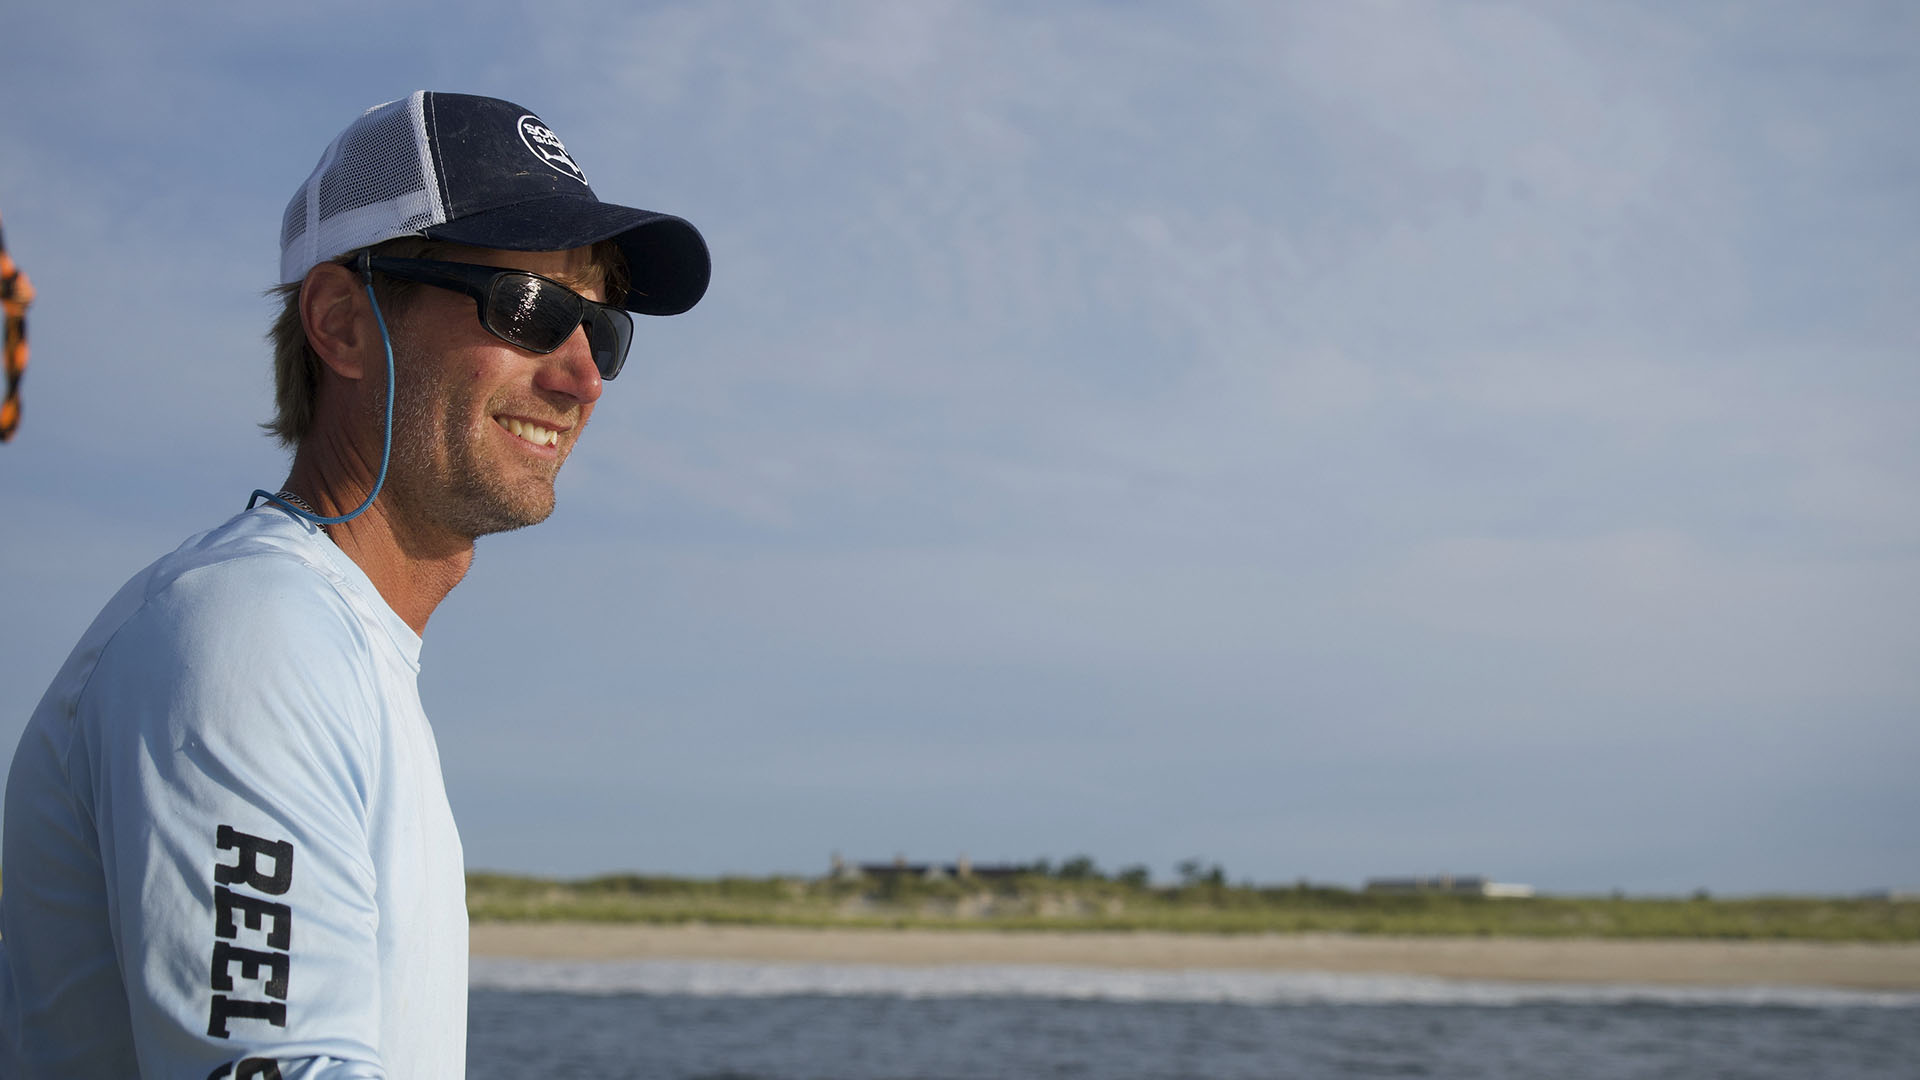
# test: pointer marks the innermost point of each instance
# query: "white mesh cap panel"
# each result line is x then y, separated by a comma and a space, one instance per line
374, 183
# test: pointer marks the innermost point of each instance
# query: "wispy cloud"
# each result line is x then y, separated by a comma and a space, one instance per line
1173, 422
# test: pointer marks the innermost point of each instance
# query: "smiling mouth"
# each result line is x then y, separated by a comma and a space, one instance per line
533, 433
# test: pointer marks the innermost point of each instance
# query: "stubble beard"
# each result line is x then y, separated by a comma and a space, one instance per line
443, 481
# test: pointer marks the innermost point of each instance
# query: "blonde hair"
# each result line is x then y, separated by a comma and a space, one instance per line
296, 367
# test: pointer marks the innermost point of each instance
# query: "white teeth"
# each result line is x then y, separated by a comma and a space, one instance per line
533, 433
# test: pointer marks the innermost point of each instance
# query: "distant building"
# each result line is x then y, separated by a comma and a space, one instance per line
963, 869
1463, 885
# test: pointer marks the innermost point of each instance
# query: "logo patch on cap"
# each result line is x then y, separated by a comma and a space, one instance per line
547, 147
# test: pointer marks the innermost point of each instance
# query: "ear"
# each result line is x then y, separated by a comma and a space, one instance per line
338, 320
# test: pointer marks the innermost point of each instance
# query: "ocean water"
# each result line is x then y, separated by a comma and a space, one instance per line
738, 1021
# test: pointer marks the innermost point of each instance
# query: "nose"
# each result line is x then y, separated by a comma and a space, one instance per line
570, 370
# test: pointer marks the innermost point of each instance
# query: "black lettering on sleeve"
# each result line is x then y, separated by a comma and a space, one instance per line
226, 1008
247, 1069
246, 869
226, 902
251, 961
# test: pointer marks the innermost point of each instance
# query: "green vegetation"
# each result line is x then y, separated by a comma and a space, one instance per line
1076, 897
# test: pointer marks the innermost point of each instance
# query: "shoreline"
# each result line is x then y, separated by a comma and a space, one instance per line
1847, 965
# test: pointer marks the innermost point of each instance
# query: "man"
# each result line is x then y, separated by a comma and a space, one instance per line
228, 851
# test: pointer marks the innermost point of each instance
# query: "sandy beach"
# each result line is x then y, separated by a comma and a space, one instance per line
1696, 963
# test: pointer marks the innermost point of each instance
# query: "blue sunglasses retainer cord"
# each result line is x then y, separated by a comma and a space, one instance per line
386, 442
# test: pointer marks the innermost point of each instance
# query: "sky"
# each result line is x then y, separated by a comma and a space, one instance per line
1329, 440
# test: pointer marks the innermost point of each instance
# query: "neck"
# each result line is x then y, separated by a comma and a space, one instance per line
414, 568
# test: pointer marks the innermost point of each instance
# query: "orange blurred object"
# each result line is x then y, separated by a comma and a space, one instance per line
16, 292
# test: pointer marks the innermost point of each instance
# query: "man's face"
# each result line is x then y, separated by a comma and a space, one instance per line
480, 427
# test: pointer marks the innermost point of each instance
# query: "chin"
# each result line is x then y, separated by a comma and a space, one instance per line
516, 518
483, 513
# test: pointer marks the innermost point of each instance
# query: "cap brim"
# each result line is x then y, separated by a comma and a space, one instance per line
666, 256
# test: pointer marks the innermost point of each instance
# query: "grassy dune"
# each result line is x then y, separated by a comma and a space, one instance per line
1040, 902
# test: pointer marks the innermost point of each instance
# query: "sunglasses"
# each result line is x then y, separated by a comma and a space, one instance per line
524, 309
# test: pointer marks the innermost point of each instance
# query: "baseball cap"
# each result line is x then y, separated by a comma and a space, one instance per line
486, 173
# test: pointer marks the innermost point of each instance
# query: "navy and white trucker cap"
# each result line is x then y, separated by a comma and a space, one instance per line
483, 172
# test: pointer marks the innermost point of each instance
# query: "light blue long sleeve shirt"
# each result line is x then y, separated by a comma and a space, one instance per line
228, 850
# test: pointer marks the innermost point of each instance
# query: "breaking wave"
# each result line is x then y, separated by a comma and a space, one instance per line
735, 979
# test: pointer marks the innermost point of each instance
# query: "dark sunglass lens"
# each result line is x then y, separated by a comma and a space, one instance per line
533, 314
610, 333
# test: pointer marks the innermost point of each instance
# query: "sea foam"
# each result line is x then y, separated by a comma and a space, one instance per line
716, 978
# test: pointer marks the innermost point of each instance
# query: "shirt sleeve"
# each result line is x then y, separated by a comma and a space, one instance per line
230, 727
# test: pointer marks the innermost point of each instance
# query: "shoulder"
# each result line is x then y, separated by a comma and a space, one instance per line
244, 602
232, 625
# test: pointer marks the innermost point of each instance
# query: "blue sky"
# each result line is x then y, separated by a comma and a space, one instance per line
1326, 439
